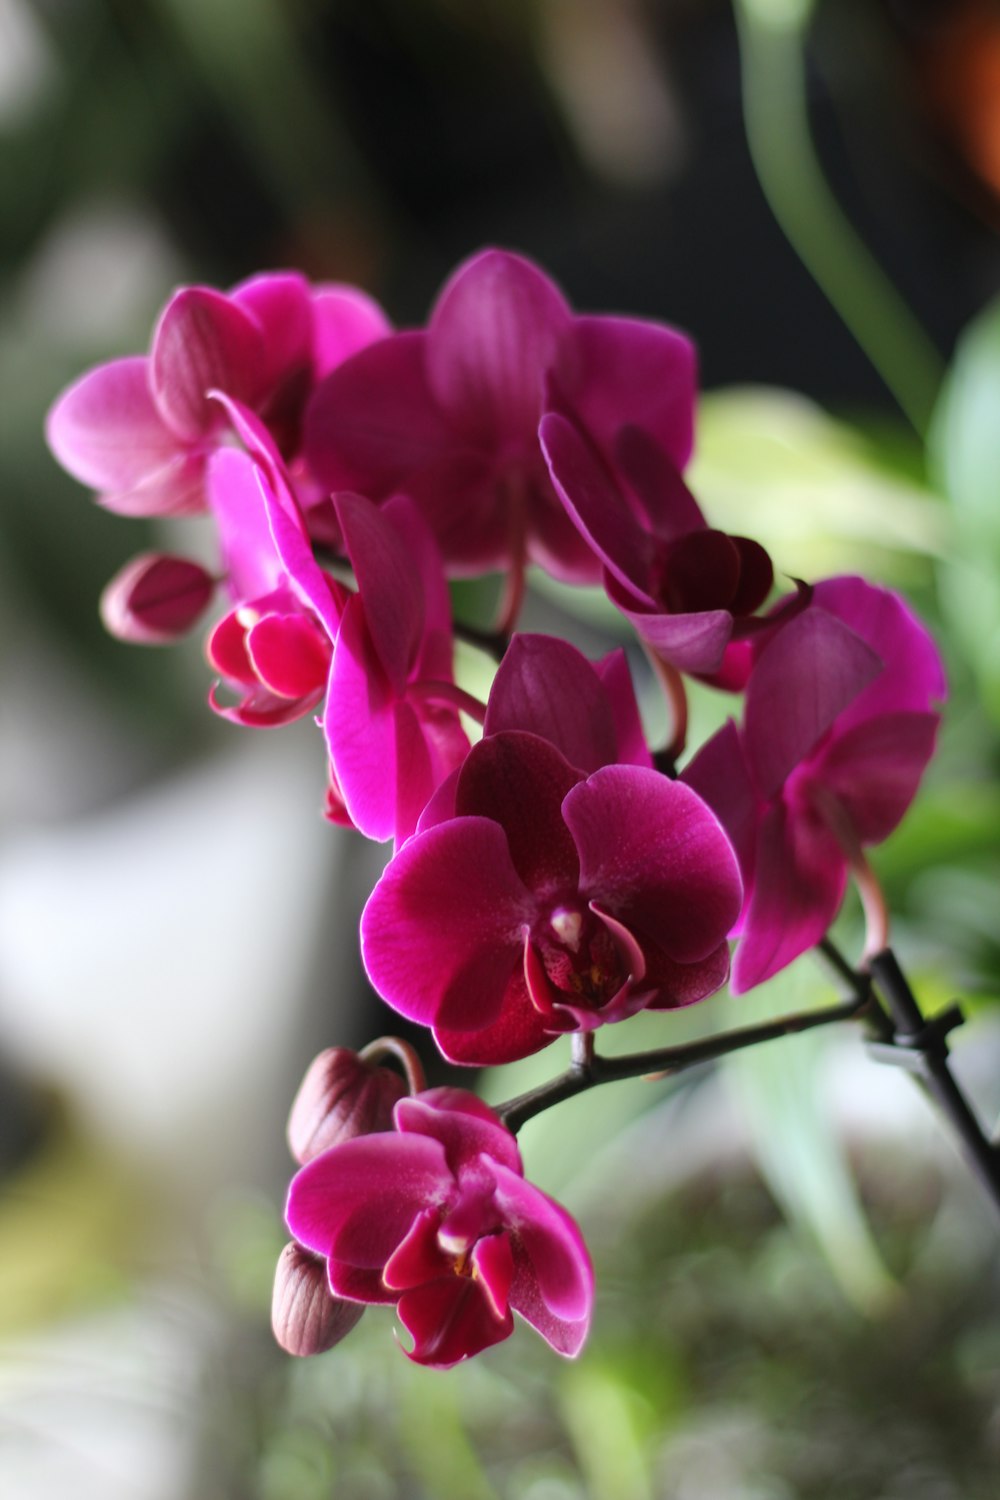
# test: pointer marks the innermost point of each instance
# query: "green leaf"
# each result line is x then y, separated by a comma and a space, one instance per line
795, 1139
964, 453
819, 494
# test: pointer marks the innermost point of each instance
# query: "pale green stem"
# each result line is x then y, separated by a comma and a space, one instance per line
771, 35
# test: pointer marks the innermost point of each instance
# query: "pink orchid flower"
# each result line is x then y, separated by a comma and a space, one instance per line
437, 1218
553, 901
683, 586
391, 718
838, 729
275, 644
140, 430
450, 415
546, 687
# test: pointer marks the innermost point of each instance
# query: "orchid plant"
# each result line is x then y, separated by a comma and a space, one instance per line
551, 872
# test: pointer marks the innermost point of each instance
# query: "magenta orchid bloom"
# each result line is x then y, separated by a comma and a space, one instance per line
437, 1218
553, 901
141, 430
275, 644
588, 710
450, 415
391, 718
682, 585
546, 687
838, 729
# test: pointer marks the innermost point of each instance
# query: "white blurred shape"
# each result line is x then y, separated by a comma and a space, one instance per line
602, 66
100, 274
27, 65
153, 959
105, 1408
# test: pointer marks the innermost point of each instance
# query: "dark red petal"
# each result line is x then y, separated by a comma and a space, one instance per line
203, 342
519, 781
547, 687
443, 929
450, 1320
654, 856
493, 334
463, 1123
373, 421
807, 674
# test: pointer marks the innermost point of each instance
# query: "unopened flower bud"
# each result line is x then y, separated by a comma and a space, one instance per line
341, 1096
305, 1315
155, 598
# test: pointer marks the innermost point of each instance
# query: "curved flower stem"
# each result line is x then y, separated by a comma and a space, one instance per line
587, 1072
449, 695
777, 125
404, 1054
902, 1037
875, 908
672, 684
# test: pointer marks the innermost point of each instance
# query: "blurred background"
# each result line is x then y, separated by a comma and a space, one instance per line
799, 1294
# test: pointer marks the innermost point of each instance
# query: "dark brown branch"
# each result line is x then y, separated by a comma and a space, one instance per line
583, 1074
902, 1037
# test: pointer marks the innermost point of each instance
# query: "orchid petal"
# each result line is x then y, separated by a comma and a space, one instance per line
177, 488
493, 1268
289, 655
360, 728
418, 1257
654, 856
798, 887
691, 642
553, 1284
281, 305
463, 1123
913, 678
457, 493
519, 781
373, 421
807, 674
415, 774
226, 649
674, 985
203, 342
547, 687
595, 504
720, 776
262, 709
345, 320
518, 1031
356, 1202
874, 769
493, 334
234, 491
449, 1320
433, 657
106, 431
388, 584
443, 928
654, 479
630, 370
